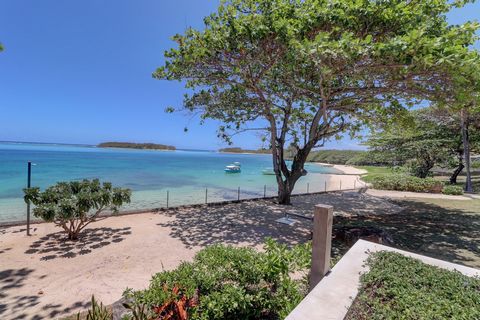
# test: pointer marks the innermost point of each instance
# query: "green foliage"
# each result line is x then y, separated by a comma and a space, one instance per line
231, 283
96, 312
333, 156
452, 190
306, 71
403, 182
240, 150
73, 205
399, 287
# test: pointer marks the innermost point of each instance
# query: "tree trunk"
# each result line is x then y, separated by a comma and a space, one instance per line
466, 150
456, 172
284, 194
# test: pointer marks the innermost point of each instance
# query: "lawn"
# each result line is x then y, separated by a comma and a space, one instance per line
378, 171
374, 171
399, 287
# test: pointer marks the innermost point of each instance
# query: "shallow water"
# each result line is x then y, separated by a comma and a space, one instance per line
149, 173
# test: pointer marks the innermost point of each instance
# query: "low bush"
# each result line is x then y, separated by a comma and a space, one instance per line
399, 287
452, 190
403, 182
75, 204
225, 282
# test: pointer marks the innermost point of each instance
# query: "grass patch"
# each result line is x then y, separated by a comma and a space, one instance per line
399, 287
374, 172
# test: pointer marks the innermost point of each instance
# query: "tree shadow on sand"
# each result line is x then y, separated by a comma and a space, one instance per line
11, 279
421, 227
55, 245
250, 222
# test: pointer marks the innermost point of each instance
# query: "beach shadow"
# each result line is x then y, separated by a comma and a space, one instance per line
418, 226
55, 245
247, 222
250, 222
11, 279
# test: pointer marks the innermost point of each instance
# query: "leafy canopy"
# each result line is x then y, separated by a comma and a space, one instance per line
73, 205
304, 71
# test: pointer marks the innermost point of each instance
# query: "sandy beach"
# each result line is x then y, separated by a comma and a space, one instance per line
44, 277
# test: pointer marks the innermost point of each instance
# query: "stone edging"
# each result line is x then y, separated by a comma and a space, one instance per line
332, 297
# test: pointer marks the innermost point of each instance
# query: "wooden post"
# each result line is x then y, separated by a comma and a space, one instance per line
321, 243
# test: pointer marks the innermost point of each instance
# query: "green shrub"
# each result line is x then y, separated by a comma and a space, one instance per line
229, 283
96, 312
403, 182
452, 190
399, 287
75, 204
475, 164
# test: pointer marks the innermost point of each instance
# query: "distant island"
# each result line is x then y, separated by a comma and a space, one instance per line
240, 150
131, 145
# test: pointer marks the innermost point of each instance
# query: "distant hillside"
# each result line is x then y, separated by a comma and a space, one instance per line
149, 146
240, 150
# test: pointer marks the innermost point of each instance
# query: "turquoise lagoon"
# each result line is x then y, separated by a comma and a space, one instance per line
149, 173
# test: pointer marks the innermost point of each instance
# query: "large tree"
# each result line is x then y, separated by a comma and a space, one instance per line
304, 71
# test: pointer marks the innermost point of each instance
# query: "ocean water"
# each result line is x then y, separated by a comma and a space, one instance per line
149, 173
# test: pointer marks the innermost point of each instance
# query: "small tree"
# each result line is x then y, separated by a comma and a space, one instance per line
422, 139
74, 205
305, 71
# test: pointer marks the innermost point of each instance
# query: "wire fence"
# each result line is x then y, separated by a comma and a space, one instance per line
172, 198
211, 195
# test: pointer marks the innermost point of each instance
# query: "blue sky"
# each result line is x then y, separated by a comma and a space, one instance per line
80, 72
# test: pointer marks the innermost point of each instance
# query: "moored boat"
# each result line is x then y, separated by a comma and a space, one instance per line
268, 171
232, 169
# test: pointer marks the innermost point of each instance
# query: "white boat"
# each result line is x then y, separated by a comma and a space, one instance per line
232, 169
236, 163
268, 171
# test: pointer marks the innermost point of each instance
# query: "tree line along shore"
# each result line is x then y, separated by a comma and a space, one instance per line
131, 145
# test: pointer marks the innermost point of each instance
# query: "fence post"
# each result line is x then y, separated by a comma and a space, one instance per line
167, 198
206, 195
321, 243
340, 184
325, 185
264, 191
238, 197
308, 186
355, 184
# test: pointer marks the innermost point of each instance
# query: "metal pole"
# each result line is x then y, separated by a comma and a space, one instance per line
29, 178
206, 195
264, 191
308, 186
340, 184
325, 185
354, 184
238, 198
167, 198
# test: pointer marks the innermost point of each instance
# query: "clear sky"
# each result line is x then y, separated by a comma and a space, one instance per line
80, 72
